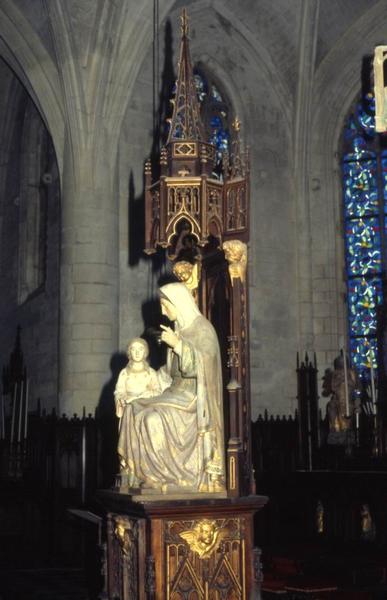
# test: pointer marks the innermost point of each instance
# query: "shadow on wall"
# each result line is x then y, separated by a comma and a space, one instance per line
164, 110
108, 423
367, 83
136, 211
136, 224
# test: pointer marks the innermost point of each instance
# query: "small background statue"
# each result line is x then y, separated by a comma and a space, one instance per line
320, 517
366, 523
334, 386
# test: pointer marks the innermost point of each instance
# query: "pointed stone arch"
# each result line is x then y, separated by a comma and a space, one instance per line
23, 50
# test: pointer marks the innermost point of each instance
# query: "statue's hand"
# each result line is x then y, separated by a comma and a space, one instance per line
121, 401
169, 337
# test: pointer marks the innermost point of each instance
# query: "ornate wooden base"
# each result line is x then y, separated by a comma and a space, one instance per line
174, 550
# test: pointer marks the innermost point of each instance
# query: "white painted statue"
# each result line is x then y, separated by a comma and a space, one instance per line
171, 428
138, 379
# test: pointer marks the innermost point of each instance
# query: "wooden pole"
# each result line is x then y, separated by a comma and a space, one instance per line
13, 413
373, 393
344, 354
20, 411
83, 451
2, 418
26, 411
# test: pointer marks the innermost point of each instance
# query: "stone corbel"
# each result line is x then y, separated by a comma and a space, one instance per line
235, 252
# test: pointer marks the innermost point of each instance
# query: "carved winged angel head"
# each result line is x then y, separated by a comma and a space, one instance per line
204, 538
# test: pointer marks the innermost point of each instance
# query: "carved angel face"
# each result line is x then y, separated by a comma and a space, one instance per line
183, 270
206, 532
233, 250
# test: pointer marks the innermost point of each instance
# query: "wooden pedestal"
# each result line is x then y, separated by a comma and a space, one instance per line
174, 550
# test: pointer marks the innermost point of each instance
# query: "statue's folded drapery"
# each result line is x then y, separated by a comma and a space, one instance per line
175, 440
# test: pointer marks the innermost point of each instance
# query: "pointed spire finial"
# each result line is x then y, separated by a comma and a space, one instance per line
186, 122
184, 23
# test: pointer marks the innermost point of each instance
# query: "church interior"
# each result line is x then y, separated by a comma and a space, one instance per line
171, 170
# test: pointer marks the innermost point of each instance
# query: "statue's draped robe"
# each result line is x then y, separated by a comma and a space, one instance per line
176, 439
132, 385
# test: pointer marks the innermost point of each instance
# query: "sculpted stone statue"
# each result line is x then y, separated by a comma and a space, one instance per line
137, 380
334, 386
172, 440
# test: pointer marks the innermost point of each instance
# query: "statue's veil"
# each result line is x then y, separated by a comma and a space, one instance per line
204, 341
181, 298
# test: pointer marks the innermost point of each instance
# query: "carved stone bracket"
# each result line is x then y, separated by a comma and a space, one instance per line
236, 255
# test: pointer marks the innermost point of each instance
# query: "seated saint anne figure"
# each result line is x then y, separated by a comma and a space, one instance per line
173, 441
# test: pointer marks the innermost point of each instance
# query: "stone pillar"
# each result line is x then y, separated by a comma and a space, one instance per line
88, 284
309, 15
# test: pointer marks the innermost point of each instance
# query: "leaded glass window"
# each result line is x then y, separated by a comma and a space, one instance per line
365, 210
214, 111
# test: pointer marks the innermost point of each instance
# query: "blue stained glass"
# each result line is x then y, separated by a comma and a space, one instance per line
201, 87
220, 138
215, 94
216, 121
351, 129
363, 246
214, 114
384, 180
363, 298
359, 144
366, 118
361, 180
359, 154
359, 150
360, 188
178, 132
362, 348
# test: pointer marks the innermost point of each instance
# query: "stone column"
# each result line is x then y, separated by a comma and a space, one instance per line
88, 283
309, 14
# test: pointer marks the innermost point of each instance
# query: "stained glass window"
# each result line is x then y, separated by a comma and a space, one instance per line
365, 219
215, 112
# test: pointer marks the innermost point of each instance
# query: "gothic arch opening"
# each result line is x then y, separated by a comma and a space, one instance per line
29, 236
364, 167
